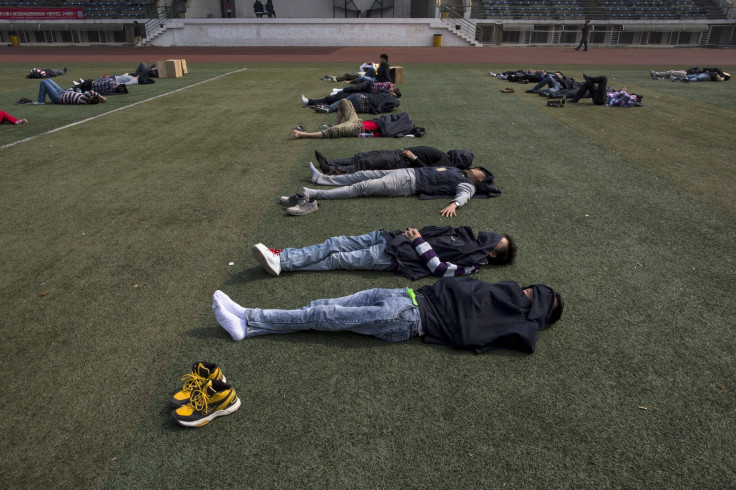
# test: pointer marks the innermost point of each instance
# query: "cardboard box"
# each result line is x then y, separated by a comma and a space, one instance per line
169, 69
184, 67
397, 74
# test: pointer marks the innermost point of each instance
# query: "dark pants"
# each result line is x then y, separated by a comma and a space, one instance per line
596, 86
370, 160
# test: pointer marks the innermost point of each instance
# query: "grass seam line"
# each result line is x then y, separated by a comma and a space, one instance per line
8, 145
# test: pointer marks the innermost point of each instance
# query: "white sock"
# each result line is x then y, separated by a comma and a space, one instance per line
229, 304
316, 174
225, 312
308, 192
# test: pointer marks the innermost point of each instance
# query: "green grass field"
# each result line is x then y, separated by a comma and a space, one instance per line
116, 231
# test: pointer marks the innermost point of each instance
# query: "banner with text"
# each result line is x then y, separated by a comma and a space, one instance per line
41, 13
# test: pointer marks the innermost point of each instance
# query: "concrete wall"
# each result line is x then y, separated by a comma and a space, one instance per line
305, 32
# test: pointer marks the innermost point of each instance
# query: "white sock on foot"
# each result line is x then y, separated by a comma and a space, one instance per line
230, 321
229, 304
316, 174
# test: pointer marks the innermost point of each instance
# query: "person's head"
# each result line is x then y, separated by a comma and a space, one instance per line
556, 309
504, 252
587, 21
477, 174
96, 99
395, 92
540, 310
135, 22
384, 58
121, 89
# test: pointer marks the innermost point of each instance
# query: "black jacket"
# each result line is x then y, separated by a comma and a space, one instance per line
456, 245
466, 313
397, 125
383, 74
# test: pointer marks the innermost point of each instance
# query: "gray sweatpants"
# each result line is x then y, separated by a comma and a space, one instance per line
401, 182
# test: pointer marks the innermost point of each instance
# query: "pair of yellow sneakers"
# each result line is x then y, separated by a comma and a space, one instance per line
204, 396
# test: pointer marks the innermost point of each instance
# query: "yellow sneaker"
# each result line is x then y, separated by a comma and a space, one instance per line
214, 399
201, 373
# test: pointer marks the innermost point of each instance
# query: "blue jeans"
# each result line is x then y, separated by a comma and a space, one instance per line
392, 183
52, 89
387, 314
363, 252
370, 74
698, 77
549, 81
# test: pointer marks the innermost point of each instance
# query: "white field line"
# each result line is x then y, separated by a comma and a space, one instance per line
116, 110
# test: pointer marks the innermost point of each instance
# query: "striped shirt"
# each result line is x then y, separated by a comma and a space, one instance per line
70, 97
104, 85
436, 266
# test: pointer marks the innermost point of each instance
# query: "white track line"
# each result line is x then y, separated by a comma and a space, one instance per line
116, 110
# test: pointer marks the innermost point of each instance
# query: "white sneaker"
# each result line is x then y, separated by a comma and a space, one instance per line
305, 206
268, 258
305, 101
333, 79
39, 103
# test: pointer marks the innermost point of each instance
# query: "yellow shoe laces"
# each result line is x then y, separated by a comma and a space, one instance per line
192, 381
199, 400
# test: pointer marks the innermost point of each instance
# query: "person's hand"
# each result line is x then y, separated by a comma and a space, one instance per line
408, 154
412, 234
449, 210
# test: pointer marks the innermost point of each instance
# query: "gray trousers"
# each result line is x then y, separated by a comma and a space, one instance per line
400, 182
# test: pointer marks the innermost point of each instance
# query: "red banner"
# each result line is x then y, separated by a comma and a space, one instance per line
41, 13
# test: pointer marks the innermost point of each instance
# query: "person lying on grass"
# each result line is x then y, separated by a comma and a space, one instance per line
415, 156
61, 96
461, 312
377, 92
45, 73
604, 95
425, 182
412, 253
348, 124
6, 118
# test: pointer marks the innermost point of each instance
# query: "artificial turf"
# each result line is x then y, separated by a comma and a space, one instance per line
115, 233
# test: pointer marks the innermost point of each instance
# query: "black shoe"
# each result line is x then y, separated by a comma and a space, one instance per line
586, 77
65, 70
324, 164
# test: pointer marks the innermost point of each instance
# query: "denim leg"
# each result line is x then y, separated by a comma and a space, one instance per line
387, 314
540, 85
362, 252
50, 88
333, 107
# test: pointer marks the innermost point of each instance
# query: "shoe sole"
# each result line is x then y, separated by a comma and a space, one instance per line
259, 253
206, 420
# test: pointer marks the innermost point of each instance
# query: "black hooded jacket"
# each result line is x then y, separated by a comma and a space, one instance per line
397, 125
466, 313
456, 245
